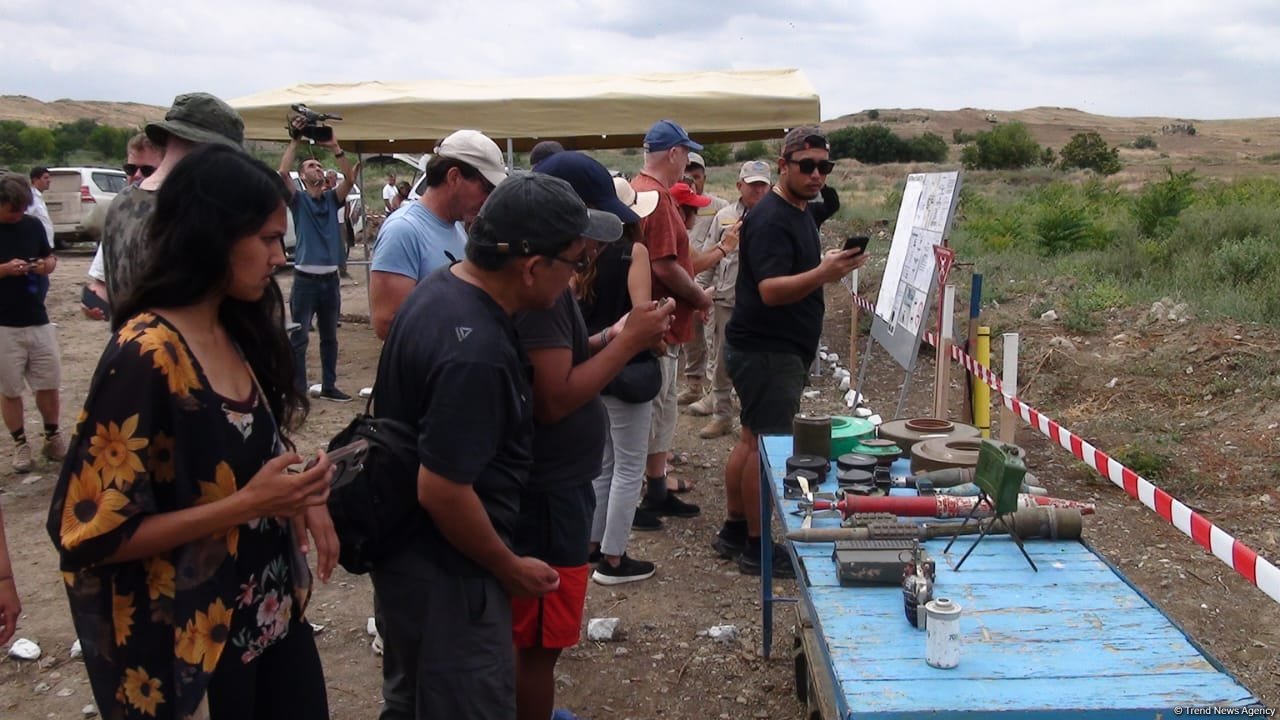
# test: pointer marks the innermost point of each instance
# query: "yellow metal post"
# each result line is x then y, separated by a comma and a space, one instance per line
981, 392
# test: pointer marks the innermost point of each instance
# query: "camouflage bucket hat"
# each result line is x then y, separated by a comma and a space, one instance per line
199, 118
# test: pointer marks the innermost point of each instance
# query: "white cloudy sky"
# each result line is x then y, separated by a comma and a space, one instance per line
1185, 58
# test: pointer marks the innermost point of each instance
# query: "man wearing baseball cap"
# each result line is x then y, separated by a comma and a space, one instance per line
193, 120
452, 367
428, 234
773, 335
754, 180
666, 154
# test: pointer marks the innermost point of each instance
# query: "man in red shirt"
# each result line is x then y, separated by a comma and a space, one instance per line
666, 153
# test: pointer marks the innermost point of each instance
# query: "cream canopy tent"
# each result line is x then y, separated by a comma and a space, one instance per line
582, 112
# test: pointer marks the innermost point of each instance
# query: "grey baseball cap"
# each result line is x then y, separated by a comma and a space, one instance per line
537, 214
199, 118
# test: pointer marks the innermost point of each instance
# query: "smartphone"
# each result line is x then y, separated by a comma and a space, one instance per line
347, 462
91, 299
858, 242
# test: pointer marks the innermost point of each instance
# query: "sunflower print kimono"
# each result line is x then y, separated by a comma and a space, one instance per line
153, 438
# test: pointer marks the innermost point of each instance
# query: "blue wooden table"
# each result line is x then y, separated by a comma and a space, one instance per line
1073, 640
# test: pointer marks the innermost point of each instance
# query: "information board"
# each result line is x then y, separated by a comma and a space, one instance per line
902, 308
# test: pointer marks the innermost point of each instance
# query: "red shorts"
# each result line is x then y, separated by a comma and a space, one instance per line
555, 619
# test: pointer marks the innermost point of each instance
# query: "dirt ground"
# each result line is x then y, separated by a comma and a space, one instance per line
1223, 452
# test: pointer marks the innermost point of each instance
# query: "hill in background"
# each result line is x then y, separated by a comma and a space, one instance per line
47, 114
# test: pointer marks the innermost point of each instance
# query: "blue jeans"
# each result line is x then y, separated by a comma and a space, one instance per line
315, 295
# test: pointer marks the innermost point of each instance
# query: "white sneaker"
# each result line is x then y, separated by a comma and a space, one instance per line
22, 458
55, 447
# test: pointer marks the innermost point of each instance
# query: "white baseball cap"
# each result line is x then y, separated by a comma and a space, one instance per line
755, 171
477, 150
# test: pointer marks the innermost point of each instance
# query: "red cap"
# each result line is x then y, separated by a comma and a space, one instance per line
685, 195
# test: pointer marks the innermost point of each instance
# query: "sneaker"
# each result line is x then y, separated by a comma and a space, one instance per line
703, 407
749, 564
55, 447
719, 426
690, 394
671, 506
628, 570
594, 557
646, 520
22, 458
335, 395
728, 547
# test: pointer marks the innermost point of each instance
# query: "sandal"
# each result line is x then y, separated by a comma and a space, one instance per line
679, 485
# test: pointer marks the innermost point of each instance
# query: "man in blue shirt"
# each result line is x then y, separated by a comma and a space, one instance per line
426, 235
317, 256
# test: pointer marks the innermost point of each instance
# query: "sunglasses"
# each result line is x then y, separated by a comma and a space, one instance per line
146, 170
579, 265
808, 165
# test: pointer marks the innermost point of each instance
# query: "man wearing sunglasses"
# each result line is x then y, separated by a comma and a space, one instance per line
142, 158
193, 120
426, 235
773, 334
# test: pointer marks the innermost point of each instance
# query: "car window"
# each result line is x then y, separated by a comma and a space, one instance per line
109, 182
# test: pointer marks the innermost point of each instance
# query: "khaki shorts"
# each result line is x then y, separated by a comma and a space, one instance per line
662, 423
29, 357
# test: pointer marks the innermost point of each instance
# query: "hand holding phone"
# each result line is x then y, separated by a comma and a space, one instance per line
347, 462
856, 242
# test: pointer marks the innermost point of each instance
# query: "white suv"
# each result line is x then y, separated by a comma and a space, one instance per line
77, 199
355, 210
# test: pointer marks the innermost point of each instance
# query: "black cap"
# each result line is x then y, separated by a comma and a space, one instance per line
544, 150
537, 214
590, 180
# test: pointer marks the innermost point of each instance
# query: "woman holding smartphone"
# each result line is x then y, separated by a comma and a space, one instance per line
179, 527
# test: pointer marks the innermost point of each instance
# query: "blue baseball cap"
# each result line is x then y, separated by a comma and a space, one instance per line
590, 180
666, 134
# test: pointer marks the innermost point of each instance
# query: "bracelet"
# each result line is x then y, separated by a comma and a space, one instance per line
723, 252
604, 337
340, 153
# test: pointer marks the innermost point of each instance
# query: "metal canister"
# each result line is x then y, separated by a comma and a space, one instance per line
942, 635
811, 435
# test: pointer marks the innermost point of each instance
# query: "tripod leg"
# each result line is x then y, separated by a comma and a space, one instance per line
1018, 541
967, 518
982, 532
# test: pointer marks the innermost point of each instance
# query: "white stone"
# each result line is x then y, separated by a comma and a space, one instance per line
723, 633
1112, 382
875, 420
65, 692
833, 357
31, 480
811, 394
844, 382
314, 390
89, 710
41, 688
1063, 344
75, 650
316, 628
1049, 315
371, 627
366, 392
24, 649
619, 651
862, 412
602, 629
850, 398
824, 357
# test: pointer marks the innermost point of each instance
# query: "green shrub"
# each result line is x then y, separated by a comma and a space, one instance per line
717, 154
1008, 147
873, 114
1062, 228
1244, 261
1157, 207
753, 150
1150, 464
870, 144
1089, 151
929, 147
1144, 142
960, 137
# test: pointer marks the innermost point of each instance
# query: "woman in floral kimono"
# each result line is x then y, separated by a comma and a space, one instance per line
180, 530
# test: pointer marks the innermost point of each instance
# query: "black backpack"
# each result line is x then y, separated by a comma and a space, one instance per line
378, 511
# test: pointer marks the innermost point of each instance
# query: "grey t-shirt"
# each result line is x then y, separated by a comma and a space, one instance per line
124, 239
566, 452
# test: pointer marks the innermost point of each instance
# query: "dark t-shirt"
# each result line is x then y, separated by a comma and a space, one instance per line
22, 296
566, 453
315, 226
777, 240
452, 367
125, 251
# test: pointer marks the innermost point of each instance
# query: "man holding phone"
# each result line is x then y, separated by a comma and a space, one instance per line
29, 355
773, 335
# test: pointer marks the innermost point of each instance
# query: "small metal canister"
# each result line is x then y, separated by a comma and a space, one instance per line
811, 435
942, 635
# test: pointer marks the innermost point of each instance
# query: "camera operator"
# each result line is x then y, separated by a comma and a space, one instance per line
317, 256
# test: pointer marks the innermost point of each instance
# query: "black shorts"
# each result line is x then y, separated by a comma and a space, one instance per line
769, 385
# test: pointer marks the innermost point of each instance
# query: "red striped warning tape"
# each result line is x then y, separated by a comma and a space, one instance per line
1240, 557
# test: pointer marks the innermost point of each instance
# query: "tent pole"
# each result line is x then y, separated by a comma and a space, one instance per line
511, 154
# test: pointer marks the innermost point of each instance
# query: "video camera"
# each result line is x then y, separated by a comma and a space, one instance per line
314, 130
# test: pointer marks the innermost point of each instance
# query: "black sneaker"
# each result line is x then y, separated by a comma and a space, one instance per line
728, 546
749, 564
646, 520
335, 395
628, 570
672, 506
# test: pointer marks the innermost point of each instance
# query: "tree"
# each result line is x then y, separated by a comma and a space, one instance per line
717, 154
1089, 151
753, 150
1008, 147
870, 144
928, 147
36, 143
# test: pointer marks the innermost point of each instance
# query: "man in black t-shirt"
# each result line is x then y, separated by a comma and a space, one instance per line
29, 355
773, 334
452, 367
